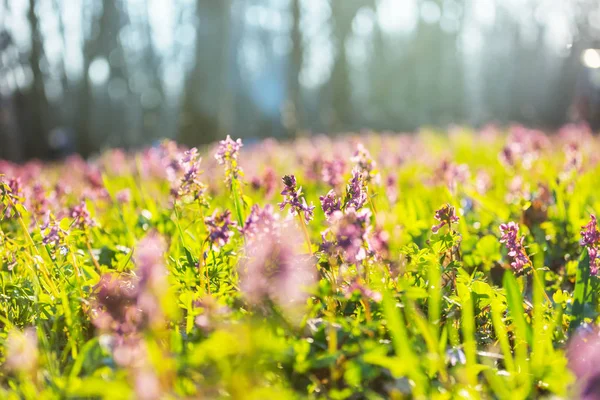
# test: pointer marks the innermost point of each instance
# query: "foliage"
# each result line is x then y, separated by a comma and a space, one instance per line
169, 274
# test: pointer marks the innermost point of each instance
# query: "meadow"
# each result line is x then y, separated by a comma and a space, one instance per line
436, 265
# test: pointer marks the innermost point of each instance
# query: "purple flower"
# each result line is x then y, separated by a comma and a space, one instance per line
96, 189
356, 193
313, 166
114, 305
349, 231
391, 188
583, 354
291, 195
275, 271
123, 196
594, 260
39, 200
365, 163
150, 262
228, 150
126, 305
590, 238
52, 233
452, 174
227, 154
446, 215
332, 172
147, 384
364, 291
220, 228
189, 184
379, 243
170, 159
21, 350
267, 182
12, 191
330, 203
573, 158
509, 154
82, 217
259, 222
514, 244
589, 232
212, 312
523, 147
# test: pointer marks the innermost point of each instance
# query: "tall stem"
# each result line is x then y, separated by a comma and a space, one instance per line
41, 263
89, 248
236, 201
372, 204
306, 235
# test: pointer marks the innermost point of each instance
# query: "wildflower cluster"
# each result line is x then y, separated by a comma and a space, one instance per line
349, 231
227, 154
292, 197
365, 163
178, 285
275, 270
220, 228
330, 203
10, 193
356, 190
259, 222
332, 172
189, 184
125, 306
452, 174
52, 233
590, 238
446, 216
82, 217
514, 244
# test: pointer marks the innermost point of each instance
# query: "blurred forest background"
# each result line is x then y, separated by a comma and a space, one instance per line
82, 75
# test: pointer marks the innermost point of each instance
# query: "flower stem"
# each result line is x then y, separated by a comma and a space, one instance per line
89, 248
41, 263
236, 202
306, 235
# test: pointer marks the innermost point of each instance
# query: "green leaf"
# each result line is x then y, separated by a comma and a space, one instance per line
582, 283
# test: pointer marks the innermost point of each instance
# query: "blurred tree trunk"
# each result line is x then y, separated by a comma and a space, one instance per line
9, 127
342, 112
154, 113
206, 109
99, 119
293, 114
36, 136
9, 131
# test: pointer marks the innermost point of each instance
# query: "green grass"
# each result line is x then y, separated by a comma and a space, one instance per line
442, 315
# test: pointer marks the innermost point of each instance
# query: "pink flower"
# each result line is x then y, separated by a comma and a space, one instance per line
275, 271
349, 231
514, 244
446, 215
21, 350
330, 203
123, 196
220, 228
332, 172
227, 154
364, 291
292, 195
583, 353
81, 214
356, 192
365, 163
590, 238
